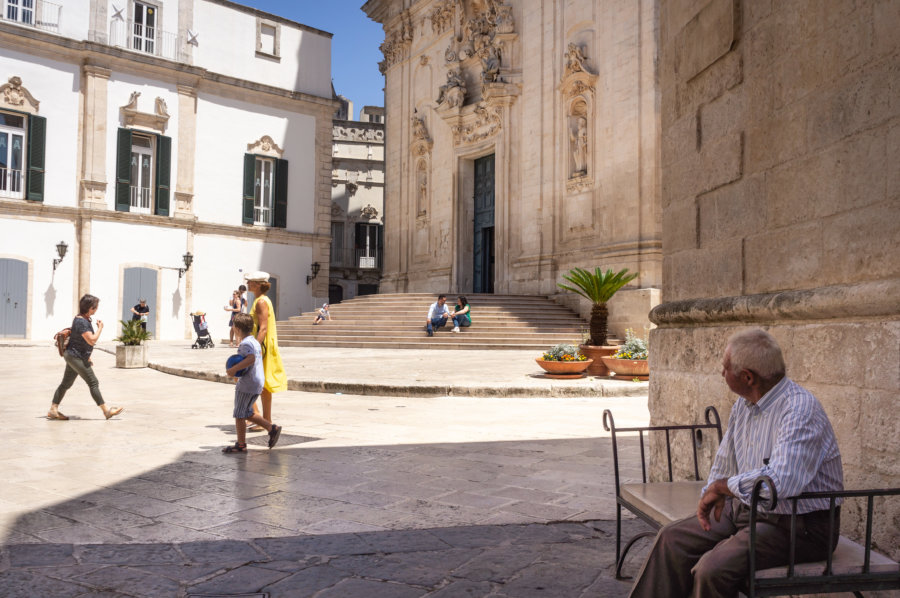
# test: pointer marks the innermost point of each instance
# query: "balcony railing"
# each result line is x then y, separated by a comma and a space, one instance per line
356, 259
140, 199
144, 39
33, 13
10, 183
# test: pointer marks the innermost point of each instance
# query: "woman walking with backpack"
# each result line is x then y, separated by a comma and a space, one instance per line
78, 359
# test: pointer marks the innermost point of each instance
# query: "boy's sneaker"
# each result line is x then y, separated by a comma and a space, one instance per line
429, 331
455, 329
274, 434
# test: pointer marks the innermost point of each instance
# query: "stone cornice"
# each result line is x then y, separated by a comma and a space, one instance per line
40, 211
862, 300
112, 58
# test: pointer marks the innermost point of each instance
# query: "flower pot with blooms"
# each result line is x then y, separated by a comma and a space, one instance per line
564, 361
630, 361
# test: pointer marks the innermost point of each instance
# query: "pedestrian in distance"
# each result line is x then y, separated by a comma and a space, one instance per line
462, 314
263, 314
141, 312
323, 314
438, 314
77, 355
243, 290
248, 387
234, 306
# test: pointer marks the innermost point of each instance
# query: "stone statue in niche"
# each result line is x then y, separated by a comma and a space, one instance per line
453, 92
490, 63
505, 22
421, 188
579, 139
574, 59
419, 130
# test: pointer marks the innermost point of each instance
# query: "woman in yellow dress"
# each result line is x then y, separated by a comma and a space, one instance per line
266, 334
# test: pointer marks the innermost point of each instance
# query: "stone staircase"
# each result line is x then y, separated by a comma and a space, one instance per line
397, 321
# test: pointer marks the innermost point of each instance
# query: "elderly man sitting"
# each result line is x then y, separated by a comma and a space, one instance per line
776, 428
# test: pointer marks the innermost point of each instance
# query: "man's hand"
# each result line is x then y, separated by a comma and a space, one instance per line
713, 500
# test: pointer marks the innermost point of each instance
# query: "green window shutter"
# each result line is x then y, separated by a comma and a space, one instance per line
163, 174
123, 171
280, 192
249, 186
37, 142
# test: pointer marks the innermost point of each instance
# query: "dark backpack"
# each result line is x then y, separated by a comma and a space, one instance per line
61, 339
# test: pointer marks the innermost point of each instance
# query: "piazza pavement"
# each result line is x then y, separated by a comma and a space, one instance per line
432, 473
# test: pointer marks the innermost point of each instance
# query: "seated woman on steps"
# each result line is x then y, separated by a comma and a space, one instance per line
462, 314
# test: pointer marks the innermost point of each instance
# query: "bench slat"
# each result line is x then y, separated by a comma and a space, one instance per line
848, 559
664, 502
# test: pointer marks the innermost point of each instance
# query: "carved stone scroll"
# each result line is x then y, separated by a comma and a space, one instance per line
265, 146
483, 122
158, 120
16, 96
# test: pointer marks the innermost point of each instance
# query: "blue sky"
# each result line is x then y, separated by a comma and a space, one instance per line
354, 47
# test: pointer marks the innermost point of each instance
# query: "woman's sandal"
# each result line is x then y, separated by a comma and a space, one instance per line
237, 447
114, 411
57, 415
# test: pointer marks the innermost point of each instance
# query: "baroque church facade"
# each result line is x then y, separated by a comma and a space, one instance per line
508, 163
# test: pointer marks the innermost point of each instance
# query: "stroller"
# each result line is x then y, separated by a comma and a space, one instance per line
204, 340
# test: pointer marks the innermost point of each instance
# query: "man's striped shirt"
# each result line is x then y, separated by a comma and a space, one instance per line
786, 436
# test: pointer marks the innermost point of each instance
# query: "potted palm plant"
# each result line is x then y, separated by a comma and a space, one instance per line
598, 287
132, 352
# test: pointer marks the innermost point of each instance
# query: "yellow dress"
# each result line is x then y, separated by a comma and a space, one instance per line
276, 378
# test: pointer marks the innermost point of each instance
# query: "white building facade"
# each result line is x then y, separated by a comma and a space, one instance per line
138, 132
357, 205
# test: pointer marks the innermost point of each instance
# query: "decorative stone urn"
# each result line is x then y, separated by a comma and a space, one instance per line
628, 369
564, 369
131, 356
596, 353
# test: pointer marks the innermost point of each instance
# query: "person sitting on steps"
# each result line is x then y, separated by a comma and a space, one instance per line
462, 314
438, 314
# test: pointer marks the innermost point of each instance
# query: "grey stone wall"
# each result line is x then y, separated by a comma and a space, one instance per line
781, 208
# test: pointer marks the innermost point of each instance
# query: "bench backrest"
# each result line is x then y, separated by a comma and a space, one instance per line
712, 422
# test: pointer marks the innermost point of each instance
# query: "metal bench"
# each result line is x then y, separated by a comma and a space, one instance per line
657, 503
850, 568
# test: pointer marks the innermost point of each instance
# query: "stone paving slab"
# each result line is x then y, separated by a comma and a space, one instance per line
398, 372
364, 495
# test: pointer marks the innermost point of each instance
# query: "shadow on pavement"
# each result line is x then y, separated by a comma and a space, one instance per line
500, 519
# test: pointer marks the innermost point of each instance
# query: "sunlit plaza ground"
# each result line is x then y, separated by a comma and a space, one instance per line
363, 496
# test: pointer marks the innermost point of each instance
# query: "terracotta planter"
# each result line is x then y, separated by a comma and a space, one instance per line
596, 353
564, 369
628, 369
131, 356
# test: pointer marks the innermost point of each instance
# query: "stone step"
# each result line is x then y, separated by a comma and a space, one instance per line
397, 322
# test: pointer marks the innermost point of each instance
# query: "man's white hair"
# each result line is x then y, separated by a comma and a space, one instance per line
756, 350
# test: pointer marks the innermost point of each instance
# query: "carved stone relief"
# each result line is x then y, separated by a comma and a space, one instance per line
421, 143
369, 212
265, 146
484, 121
453, 92
357, 134
16, 96
396, 43
157, 120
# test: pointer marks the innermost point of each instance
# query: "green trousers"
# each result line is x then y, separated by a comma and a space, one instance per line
76, 366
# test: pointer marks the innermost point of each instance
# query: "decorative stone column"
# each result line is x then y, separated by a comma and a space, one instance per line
187, 145
93, 158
